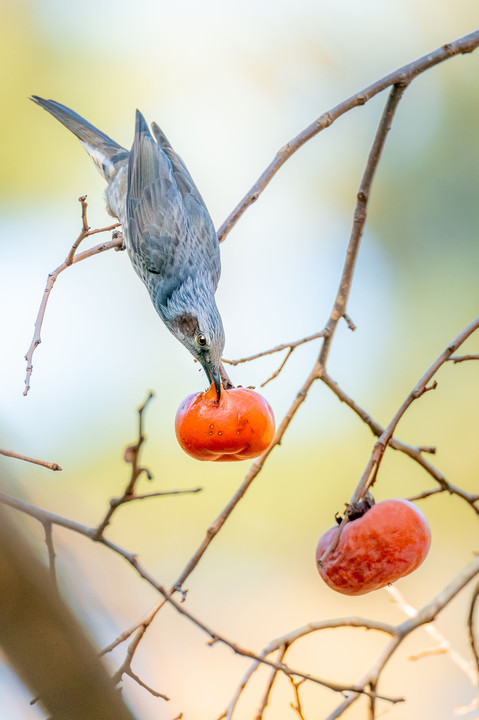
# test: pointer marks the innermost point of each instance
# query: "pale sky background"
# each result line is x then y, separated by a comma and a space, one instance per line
230, 83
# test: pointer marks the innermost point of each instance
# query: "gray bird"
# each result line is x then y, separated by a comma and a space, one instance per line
169, 235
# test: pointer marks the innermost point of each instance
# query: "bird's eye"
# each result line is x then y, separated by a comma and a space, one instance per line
201, 339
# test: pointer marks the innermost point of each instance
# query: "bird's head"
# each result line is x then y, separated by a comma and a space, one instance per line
191, 314
204, 337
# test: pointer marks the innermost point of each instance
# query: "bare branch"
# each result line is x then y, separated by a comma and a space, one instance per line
251, 670
278, 348
297, 705
119, 640
269, 686
285, 346
442, 643
165, 493
43, 463
131, 456
413, 452
45, 516
359, 220
423, 617
142, 684
277, 372
116, 243
426, 494
428, 613
470, 624
415, 393
403, 75
47, 526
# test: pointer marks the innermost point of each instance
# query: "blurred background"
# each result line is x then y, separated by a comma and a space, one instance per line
230, 83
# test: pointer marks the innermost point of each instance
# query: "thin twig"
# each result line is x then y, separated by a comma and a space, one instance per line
144, 623
297, 707
47, 526
270, 683
165, 493
290, 347
278, 348
71, 258
43, 463
442, 643
228, 714
119, 640
148, 688
463, 358
277, 372
360, 212
404, 74
472, 635
131, 456
426, 494
126, 668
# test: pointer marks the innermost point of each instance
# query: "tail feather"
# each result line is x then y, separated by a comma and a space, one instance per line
105, 152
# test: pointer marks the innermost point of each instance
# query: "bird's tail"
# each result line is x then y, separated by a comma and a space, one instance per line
107, 155
148, 163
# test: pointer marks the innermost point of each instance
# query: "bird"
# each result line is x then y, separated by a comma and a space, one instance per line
169, 235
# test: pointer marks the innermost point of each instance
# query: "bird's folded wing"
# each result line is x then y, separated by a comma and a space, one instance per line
170, 229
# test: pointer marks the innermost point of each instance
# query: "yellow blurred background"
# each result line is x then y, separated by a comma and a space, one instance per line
230, 83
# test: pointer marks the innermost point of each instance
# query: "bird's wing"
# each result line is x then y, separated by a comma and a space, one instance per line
182, 176
200, 220
169, 228
105, 152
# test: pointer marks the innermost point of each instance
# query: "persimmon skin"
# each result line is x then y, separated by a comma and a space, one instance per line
388, 542
239, 426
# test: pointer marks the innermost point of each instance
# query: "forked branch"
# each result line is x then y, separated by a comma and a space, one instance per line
116, 243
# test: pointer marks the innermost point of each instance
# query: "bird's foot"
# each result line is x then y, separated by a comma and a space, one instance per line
117, 235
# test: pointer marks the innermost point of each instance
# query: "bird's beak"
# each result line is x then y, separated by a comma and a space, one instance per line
217, 381
214, 376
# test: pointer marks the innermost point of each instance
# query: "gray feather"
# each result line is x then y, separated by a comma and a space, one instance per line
170, 230
105, 152
169, 235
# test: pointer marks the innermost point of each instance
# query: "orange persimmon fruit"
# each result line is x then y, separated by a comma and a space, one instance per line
390, 540
239, 426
